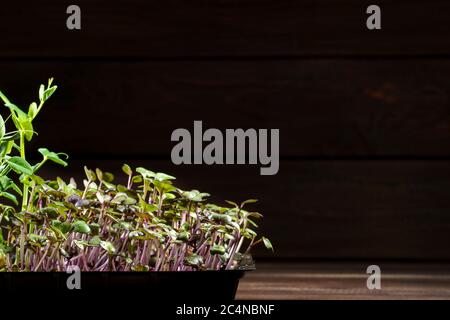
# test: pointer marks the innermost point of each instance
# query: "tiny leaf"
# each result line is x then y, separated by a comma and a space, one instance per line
267, 243
108, 246
127, 170
20, 165
81, 227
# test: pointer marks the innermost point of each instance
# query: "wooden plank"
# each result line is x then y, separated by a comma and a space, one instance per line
152, 29
322, 107
329, 209
344, 281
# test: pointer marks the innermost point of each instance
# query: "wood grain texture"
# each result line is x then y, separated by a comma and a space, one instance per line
323, 108
223, 28
344, 281
328, 209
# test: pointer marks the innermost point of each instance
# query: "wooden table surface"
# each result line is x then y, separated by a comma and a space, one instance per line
330, 280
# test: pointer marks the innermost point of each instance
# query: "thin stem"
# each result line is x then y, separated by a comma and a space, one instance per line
25, 184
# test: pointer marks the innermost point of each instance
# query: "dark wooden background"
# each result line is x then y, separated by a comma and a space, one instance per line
364, 116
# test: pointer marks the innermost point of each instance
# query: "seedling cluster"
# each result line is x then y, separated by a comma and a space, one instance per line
146, 225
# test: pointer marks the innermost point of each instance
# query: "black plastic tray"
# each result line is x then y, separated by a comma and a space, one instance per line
195, 285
